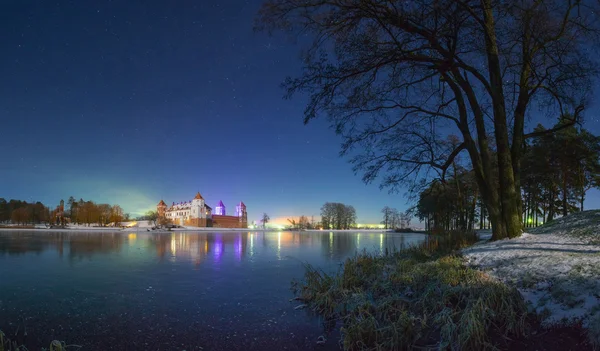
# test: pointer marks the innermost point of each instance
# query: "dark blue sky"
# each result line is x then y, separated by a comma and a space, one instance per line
130, 101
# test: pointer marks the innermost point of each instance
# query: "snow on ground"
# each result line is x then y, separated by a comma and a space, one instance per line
349, 230
557, 269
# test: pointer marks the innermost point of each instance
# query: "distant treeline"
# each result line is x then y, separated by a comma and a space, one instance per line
79, 212
334, 215
89, 212
22, 212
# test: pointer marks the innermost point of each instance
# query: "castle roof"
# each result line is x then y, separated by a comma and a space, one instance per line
198, 196
162, 203
208, 207
242, 204
220, 204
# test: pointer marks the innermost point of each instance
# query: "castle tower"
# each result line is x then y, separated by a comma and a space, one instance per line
161, 208
240, 212
220, 210
197, 207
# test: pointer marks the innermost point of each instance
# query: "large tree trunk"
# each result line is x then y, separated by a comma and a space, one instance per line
550, 206
507, 222
481, 217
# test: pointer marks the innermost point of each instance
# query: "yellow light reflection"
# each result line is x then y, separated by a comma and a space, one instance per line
279, 245
330, 243
173, 244
132, 236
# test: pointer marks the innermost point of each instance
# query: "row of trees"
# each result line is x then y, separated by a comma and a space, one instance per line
336, 215
89, 212
80, 212
394, 219
22, 212
558, 170
333, 216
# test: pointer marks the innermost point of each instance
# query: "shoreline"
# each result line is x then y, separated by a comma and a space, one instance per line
197, 229
548, 276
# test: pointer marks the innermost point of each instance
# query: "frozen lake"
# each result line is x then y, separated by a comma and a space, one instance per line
172, 291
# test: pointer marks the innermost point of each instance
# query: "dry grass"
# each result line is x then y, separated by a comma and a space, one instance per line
8, 345
423, 297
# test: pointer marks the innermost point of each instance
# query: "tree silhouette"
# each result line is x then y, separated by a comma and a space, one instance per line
394, 77
265, 219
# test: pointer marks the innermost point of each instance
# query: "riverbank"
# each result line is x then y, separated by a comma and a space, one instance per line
422, 297
537, 292
556, 268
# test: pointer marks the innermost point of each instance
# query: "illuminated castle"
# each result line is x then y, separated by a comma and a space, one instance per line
197, 213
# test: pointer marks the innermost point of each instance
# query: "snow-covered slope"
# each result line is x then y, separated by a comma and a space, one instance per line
557, 269
584, 225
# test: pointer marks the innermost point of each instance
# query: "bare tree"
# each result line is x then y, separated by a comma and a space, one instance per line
293, 223
387, 213
406, 216
152, 217
265, 219
303, 222
396, 77
395, 218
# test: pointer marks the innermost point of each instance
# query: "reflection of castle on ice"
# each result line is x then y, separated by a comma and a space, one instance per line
197, 213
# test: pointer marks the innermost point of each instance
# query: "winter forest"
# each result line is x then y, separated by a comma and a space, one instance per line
558, 169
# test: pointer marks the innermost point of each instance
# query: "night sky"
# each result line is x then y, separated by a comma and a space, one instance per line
129, 102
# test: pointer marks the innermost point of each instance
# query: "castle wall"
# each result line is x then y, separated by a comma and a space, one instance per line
228, 222
196, 222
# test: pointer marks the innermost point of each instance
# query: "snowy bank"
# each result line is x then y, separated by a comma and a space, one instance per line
42, 228
557, 269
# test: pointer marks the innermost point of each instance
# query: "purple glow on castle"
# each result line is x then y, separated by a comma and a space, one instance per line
220, 209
